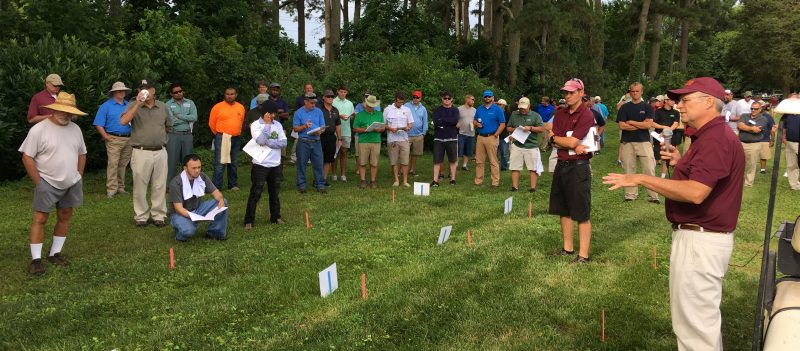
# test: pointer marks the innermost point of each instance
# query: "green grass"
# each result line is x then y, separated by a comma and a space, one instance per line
259, 289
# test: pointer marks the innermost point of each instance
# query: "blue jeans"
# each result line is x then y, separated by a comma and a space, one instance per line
502, 154
309, 149
185, 228
466, 145
219, 168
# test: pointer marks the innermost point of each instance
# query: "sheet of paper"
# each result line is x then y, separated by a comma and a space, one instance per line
316, 131
591, 141
294, 134
507, 139
727, 116
444, 234
208, 217
257, 152
520, 135
657, 136
328, 280
507, 205
422, 189
373, 126
336, 154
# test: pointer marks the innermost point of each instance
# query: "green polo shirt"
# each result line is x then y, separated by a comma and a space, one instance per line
531, 119
363, 120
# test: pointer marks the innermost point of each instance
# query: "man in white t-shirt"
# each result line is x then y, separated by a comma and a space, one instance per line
744, 104
54, 156
267, 131
398, 120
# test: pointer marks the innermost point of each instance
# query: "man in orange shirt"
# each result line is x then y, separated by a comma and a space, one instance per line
225, 122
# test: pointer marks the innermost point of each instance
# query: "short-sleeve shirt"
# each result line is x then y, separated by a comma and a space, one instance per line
729, 111
490, 118
792, 125
176, 193
768, 129
331, 119
397, 117
598, 117
183, 114
55, 149
637, 113
715, 159
363, 120
38, 100
465, 117
303, 115
148, 126
545, 111
754, 121
578, 122
346, 108
530, 119
108, 117
666, 117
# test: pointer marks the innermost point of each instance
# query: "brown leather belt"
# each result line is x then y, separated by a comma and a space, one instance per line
693, 227
148, 148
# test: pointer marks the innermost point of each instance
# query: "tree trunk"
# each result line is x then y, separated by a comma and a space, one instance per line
655, 43
497, 39
413, 4
405, 4
642, 24
301, 24
596, 48
465, 28
345, 14
457, 17
336, 28
674, 30
685, 36
480, 17
276, 12
113, 6
356, 11
327, 25
514, 43
488, 13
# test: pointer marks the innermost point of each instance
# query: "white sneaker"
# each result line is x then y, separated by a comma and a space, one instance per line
335, 178
344, 178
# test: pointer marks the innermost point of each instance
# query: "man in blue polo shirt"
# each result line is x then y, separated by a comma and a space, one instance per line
307, 120
116, 137
489, 123
416, 136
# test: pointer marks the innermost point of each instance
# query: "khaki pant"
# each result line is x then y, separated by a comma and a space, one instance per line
698, 263
642, 152
791, 165
752, 151
149, 168
119, 156
487, 146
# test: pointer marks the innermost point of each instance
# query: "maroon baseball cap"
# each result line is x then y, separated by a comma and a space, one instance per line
706, 85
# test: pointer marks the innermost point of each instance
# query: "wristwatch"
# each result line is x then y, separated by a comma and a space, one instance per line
553, 139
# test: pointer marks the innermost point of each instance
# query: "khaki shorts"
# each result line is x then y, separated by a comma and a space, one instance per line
417, 144
764, 153
368, 152
398, 152
521, 156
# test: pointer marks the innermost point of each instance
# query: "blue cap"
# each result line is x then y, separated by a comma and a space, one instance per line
487, 92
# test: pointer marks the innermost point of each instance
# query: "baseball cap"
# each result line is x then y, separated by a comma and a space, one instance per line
728, 91
274, 85
145, 84
416, 93
487, 92
502, 102
54, 79
310, 96
706, 85
748, 93
524, 103
573, 84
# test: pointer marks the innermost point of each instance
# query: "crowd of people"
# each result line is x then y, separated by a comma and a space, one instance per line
723, 140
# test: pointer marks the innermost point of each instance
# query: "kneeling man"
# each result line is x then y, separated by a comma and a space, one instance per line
185, 191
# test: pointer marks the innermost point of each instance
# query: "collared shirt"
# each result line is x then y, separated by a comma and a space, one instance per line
768, 129
363, 120
148, 126
603, 109
226, 118
331, 119
546, 112
360, 107
465, 117
532, 119
420, 114
397, 117
636, 112
715, 159
490, 118
272, 136
731, 109
304, 115
759, 120
578, 122
666, 117
42, 98
792, 125
108, 117
346, 108
183, 114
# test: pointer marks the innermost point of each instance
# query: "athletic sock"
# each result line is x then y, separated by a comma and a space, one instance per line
36, 251
58, 243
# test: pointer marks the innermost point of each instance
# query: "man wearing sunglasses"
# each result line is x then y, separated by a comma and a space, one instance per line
183, 113
752, 128
489, 122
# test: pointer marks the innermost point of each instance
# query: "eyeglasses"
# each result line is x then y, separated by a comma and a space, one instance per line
447, 98
756, 108
177, 92
329, 96
417, 97
687, 98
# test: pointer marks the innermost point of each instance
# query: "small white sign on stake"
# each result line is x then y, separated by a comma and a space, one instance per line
328, 280
507, 205
444, 234
422, 189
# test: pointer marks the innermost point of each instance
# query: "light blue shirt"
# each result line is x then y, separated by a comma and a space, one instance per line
183, 114
420, 114
108, 116
303, 115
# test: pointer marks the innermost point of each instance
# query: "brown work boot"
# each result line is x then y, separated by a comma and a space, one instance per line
36, 267
58, 259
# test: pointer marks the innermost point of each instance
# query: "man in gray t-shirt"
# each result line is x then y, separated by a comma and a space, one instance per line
466, 132
185, 191
731, 111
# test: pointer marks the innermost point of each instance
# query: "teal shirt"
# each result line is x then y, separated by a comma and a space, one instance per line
182, 114
531, 119
345, 107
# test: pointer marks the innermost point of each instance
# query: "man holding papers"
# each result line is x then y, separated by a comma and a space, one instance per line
185, 191
309, 124
524, 149
369, 125
268, 135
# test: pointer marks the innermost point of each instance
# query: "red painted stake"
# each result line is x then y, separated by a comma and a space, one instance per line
363, 285
308, 224
603, 326
171, 258
469, 238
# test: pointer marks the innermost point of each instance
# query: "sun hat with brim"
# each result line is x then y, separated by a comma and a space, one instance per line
706, 85
118, 86
372, 101
502, 102
573, 84
65, 102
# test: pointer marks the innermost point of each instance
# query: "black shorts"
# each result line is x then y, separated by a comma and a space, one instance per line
442, 147
677, 137
571, 190
328, 147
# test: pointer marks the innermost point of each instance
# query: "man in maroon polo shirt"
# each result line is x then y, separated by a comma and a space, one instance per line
571, 189
36, 110
703, 201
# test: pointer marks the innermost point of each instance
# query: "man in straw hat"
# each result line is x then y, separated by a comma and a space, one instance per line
116, 136
54, 155
37, 111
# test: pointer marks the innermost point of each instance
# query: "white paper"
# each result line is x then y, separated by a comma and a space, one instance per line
328, 280
336, 154
422, 189
507, 139
294, 134
727, 116
520, 135
591, 141
373, 126
657, 136
507, 205
317, 130
444, 234
208, 217
258, 152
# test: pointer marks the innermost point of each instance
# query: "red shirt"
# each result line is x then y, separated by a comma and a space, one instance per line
578, 122
716, 159
42, 98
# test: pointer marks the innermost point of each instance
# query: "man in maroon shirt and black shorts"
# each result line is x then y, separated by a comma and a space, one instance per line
571, 189
703, 201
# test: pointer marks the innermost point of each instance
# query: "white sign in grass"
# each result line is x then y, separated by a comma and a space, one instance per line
444, 234
328, 280
422, 189
507, 205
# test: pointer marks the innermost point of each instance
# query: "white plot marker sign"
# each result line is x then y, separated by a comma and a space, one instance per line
422, 189
444, 234
328, 280
507, 205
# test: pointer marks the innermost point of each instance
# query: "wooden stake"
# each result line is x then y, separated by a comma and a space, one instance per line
654, 257
603, 326
171, 258
469, 238
392, 195
530, 210
363, 285
308, 224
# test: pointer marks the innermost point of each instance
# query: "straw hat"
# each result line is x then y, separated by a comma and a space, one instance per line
65, 102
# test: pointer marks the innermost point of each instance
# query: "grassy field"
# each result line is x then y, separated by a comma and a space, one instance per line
259, 289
